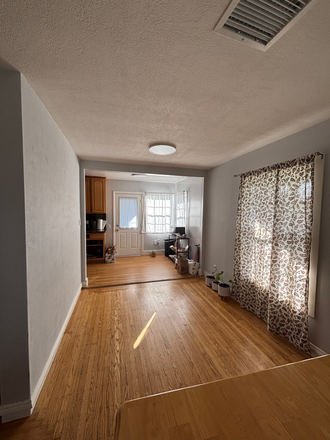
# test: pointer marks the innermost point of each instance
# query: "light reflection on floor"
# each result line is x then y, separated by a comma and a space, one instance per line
144, 331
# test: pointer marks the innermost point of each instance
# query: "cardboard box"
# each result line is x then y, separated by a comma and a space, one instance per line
182, 265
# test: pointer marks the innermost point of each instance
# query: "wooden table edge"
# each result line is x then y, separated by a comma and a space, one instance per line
128, 402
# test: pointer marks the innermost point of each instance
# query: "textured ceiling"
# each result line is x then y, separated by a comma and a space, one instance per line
119, 75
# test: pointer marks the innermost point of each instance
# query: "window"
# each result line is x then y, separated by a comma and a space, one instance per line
158, 213
128, 213
273, 246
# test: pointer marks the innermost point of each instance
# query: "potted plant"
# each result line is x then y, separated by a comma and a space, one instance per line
216, 281
218, 276
210, 275
224, 290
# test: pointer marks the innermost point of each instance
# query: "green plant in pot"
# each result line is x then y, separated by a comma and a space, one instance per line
224, 289
218, 276
216, 281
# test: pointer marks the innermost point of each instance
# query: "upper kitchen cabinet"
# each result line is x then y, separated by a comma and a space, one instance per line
88, 194
95, 188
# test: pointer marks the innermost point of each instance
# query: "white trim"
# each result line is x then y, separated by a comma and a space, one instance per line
158, 251
85, 283
14, 411
127, 192
114, 218
316, 351
42, 378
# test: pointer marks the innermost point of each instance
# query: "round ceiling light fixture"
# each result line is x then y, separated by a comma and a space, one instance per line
162, 149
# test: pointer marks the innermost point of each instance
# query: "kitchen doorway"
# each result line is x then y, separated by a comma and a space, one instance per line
135, 236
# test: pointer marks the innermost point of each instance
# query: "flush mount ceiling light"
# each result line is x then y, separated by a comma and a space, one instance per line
162, 149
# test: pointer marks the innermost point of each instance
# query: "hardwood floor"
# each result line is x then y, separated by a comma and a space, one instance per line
128, 270
194, 338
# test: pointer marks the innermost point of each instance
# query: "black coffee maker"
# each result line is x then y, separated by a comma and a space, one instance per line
90, 225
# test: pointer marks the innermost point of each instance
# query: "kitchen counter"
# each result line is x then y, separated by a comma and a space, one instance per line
95, 231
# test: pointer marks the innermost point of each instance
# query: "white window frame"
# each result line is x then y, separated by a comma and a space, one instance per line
166, 225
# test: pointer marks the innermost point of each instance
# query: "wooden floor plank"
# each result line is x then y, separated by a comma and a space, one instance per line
195, 338
128, 270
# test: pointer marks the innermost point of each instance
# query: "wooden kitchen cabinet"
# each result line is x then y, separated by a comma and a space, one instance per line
95, 247
88, 194
95, 188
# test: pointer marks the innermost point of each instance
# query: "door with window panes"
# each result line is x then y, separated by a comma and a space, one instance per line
127, 224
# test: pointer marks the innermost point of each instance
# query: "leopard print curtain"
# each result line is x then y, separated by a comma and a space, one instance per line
272, 247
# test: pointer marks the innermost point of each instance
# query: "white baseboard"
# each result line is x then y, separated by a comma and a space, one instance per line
85, 283
35, 393
316, 351
14, 411
158, 251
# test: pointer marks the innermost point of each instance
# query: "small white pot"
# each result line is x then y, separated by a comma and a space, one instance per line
223, 290
208, 280
215, 285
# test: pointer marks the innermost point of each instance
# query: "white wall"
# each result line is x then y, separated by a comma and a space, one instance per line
125, 185
195, 188
51, 180
221, 206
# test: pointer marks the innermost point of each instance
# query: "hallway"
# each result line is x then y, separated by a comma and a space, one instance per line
195, 338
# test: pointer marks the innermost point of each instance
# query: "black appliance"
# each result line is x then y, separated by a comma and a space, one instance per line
181, 230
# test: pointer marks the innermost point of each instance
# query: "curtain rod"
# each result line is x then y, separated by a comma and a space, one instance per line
280, 163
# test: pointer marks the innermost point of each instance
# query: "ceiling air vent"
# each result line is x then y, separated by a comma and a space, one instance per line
260, 23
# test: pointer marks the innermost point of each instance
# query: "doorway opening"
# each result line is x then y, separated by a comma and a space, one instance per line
141, 213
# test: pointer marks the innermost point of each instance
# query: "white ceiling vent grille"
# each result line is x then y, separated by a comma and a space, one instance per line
259, 23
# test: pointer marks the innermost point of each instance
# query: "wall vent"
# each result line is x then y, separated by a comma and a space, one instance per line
260, 23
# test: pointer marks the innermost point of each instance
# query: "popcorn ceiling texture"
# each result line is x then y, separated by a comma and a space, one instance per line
118, 75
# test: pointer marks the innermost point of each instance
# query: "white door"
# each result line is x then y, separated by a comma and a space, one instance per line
127, 223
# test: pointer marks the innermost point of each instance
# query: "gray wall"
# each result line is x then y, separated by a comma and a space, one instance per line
52, 209
125, 185
221, 207
195, 188
14, 362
